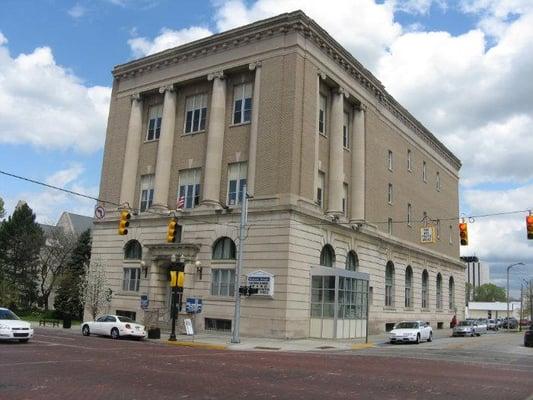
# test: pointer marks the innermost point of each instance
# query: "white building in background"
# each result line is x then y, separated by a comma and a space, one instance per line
477, 273
496, 309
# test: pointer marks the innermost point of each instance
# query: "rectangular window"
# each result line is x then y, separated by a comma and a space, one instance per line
437, 228
345, 199
389, 226
450, 240
437, 181
346, 131
320, 189
242, 103
215, 324
409, 213
222, 282
195, 113
409, 160
131, 279
236, 180
390, 160
389, 292
424, 172
322, 115
128, 314
407, 299
155, 114
189, 187
389, 194
147, 192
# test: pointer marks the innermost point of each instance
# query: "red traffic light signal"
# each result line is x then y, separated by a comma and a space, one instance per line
529, 226
463, 233
124, 222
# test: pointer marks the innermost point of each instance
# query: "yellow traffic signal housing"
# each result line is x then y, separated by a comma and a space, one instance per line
529, 226
177, 279
124, 222
171, 230
463, 233
181, 279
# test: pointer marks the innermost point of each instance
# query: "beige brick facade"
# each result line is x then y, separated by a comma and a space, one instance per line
286, 229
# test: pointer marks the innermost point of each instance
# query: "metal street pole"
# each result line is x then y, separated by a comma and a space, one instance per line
508, 268
174, 291
521, 306
235, 338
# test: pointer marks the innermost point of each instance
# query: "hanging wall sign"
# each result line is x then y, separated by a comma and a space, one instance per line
263, 282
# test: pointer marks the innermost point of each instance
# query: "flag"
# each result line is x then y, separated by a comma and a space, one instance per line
180, 202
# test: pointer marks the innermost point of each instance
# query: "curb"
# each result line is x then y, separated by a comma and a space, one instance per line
361, 346
198, 345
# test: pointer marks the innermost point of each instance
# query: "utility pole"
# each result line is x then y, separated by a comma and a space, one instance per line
508, 269
521, 306
235, 338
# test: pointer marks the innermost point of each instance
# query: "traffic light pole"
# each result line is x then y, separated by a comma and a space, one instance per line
235, 338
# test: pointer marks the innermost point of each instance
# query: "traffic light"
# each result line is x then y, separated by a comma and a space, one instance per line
171, 231
529, 224
124, 222
463, 233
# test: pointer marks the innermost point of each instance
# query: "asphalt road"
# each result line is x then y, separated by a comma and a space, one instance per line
60, 365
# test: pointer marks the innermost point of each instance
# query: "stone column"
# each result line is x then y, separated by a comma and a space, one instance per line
215, 141
164, 148
358, 167
252, 146
336, 155
131, 156
320, 75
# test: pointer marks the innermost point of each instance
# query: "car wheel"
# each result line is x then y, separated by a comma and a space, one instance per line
85, 331
24, 340
430, 338
417, 339
114, 333
473, 334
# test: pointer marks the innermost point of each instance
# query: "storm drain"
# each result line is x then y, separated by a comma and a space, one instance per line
325, 347
267, 348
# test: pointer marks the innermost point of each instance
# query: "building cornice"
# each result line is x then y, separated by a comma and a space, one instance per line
282, 24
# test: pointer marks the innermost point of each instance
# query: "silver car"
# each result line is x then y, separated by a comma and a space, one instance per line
482, 326
464, 328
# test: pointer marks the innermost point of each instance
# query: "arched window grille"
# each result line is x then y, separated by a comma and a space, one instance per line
352, 261
425, 289
133, 250
389, 284
439, 291
408, 302
224, 249
327, 256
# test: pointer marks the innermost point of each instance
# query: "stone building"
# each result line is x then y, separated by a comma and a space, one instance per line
339, 176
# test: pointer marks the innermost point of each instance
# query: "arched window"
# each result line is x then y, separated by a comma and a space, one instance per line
327, 256
224, 249
439, 291
133, 250
389, 284
425, 289
408, 287
451, 293
352, 261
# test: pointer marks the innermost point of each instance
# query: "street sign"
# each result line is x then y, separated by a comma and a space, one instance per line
193, 305
144, 301
99, 212
188, 327
427, 234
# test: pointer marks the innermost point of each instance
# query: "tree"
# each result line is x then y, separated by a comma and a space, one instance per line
489, 292
2, 209
97, 294
53, 259
69, 298
21, 239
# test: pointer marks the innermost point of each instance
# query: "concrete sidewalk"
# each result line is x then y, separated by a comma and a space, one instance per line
218, 341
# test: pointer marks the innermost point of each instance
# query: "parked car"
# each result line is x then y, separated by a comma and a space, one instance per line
499, 322
482, 325
528, 337
115, 326
525, 322
512, 323
464, 328
13, 328
411, 331
492, 325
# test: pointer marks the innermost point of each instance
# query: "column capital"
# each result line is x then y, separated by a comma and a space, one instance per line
165, 88
342, 91
136, 97
362, 107
253, 65
215, 75
322, 75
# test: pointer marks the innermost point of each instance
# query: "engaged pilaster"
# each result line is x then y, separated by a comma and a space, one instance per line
252, 147
165, 147
215, 141
358, 167
131, 156
335, 170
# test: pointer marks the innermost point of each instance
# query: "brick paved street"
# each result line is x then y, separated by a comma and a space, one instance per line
66, 365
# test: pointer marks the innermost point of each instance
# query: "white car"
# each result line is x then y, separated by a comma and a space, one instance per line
115, 326
13, 328
411, 331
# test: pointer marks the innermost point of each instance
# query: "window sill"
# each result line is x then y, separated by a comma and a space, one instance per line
151, 141
128, 294
240, 124
193, 133
389, 308
425, 310
323, 135
346, 149
408, 309
229, 262
225, 299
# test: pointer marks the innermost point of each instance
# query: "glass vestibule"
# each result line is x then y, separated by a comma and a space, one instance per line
339, 301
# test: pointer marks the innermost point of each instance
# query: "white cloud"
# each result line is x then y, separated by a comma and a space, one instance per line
3, 39
45, 105
419, 6
77, 11
167, 39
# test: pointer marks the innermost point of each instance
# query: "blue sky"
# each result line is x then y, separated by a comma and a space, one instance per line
463, 68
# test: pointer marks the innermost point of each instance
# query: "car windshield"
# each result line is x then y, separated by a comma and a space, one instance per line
125, 319
7, 314
465, 323
406, 325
